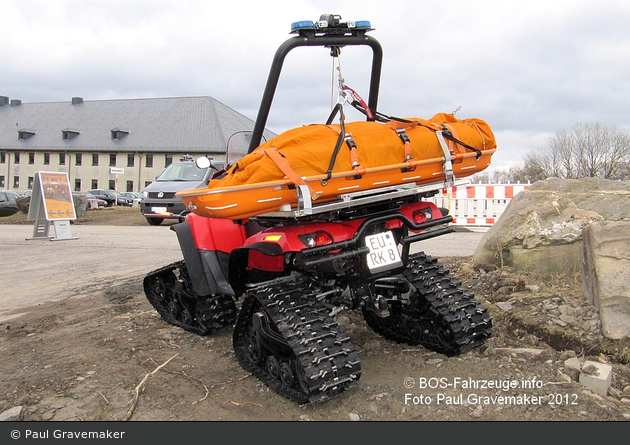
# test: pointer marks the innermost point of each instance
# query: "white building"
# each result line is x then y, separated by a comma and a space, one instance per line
110, 144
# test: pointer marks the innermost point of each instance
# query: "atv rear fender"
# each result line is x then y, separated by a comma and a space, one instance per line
206, 244
265, 250
294, 238
224, 235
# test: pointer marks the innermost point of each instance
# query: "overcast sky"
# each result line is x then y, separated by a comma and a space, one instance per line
527, 68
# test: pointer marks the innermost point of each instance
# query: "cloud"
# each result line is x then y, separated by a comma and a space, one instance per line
528, 69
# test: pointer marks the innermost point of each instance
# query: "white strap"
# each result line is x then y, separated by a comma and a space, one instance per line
305, 203
449, 178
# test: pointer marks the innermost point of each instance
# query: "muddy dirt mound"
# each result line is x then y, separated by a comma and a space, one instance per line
109, 356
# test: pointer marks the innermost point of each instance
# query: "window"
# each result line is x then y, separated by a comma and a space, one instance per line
16, 181
118, 134
146, 183
168, 160
94, 160
46, 158
2, 181
25, 134
77, 185
112, 160
130, 186
149, 162
31, 158
68, 134
3, 158
130, 160
62, 159
78, 159
112, 184
16, 158
31, 181
94, 183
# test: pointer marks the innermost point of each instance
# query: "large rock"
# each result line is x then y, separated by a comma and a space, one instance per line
23, 202
606, 272
578, 225
80, 204
542, 228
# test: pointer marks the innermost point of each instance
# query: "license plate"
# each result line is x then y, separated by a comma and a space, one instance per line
383, 252
158, 209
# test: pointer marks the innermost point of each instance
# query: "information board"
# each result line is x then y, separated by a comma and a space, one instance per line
51, 200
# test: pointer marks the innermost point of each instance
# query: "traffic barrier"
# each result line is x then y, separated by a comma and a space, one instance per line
477, 204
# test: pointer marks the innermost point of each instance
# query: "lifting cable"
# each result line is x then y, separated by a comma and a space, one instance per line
337, 109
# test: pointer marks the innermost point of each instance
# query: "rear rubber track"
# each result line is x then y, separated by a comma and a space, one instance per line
322, 361
169, 291
441, 314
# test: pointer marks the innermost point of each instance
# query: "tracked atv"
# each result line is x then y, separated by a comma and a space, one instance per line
293, 270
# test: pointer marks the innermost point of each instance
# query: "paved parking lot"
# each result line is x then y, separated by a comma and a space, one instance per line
39, 270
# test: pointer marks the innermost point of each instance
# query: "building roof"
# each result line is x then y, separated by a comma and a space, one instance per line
178, 124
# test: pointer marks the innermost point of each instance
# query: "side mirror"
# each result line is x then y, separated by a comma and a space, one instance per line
203, 162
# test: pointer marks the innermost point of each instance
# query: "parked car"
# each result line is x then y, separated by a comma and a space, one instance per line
158, 198
8, 202
27, 192
123, 200
94, 202
134, 196
108, 196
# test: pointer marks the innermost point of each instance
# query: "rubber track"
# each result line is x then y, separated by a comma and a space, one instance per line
218, 311
329, 360
448, 318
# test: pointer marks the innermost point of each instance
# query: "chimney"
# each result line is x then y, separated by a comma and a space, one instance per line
4, 100
15, 102
77, 100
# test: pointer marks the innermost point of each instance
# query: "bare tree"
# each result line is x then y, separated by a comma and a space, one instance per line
493, 177
586, 150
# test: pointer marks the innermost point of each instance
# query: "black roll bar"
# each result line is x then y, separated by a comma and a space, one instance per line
311, 39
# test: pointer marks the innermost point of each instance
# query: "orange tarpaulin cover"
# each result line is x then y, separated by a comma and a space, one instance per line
308, 149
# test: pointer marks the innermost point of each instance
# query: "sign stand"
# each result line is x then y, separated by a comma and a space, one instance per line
51, 200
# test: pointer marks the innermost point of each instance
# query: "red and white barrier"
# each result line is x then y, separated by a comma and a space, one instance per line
477, 205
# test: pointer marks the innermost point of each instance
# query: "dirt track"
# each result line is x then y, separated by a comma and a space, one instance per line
84, 356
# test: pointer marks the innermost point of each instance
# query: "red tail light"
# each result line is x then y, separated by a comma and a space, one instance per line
422, 216
316, 239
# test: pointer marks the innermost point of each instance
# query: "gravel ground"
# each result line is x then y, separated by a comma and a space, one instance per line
100, 352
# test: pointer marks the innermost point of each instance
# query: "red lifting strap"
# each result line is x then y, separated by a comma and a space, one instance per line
359, 99
286, 168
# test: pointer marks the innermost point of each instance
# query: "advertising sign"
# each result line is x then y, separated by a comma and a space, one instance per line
51, 200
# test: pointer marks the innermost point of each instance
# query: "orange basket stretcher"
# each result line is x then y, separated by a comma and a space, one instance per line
302, 169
